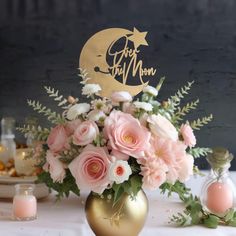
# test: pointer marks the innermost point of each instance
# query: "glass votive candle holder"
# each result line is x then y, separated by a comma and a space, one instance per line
24, 203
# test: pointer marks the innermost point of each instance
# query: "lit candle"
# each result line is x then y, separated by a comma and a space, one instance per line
219, 197
24, 165
24, 202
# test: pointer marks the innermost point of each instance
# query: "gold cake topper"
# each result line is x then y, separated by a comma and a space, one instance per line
111, 58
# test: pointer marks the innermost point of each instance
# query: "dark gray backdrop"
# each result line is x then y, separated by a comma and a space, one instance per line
40, 43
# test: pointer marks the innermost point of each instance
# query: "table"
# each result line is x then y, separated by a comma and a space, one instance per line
67, 218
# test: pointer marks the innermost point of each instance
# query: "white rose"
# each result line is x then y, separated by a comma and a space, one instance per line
161, 127
143, 105
90, 89
121, 96
119, 171
76, 110
151, 90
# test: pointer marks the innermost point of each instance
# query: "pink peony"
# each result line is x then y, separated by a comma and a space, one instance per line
162, 127
175, 157
57, 140
71, 126
90, 169
55, 167
121, 96
188, 135
186, 168
154, 173
126, 134
85, 133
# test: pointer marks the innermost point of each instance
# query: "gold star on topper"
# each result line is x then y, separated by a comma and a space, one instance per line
138, 38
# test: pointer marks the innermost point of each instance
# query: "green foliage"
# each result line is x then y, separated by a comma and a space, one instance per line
63, 189
176, 99
197, 124
194, 213
53, 117
199, 151
161, 81
62, 102
178, 188
38, 132
181, 112
84, 75
99, 141
132, 186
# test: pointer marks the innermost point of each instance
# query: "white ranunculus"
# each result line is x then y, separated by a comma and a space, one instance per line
121, 96
151, 90
162, 127
76, 110
119, 171
143, 105
90, 89
96, 115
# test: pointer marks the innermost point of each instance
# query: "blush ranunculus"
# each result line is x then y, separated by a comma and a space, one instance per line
55, 167
179, 163
85, 133
57, 140
162, 127
188, 135
90, 169
126, 134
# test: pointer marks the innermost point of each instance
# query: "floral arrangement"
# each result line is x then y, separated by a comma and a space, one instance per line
117, 144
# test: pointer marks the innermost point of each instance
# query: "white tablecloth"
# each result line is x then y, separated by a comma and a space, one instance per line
67, 218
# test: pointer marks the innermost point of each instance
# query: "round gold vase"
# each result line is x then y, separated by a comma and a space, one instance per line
127, 217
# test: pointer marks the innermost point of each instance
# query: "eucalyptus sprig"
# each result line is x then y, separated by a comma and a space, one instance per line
194, 213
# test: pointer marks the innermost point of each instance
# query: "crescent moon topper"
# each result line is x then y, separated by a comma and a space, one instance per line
111, 59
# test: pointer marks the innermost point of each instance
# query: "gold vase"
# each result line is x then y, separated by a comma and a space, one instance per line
127, 217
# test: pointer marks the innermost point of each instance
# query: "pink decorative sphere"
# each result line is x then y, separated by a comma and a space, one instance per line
219, 197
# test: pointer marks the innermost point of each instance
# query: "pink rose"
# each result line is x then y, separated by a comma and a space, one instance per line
85, 133
188, 135
55, 167
57, 140
162, 127
119, 155
120, 96
71, 126
126, 134
154, 173
90, 169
